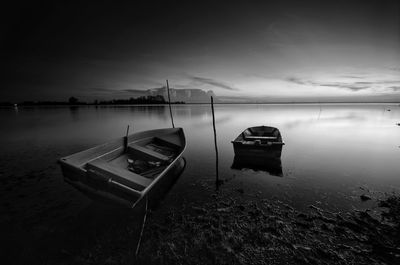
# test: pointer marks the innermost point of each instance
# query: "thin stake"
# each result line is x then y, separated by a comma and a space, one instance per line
170, 109
215, 144
141, 231
126, 138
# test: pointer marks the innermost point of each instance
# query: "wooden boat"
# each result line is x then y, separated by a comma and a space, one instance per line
128, 169
259, 141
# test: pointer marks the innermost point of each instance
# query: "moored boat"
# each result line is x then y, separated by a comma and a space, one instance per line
261, 141
128, 169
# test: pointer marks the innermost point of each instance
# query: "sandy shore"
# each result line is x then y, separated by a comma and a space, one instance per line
261, 231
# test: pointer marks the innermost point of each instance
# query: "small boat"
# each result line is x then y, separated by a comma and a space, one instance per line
128, 169
259, 141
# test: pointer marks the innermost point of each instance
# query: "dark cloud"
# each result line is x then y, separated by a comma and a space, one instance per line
353, 76
100, 89
355, 86
395, 88
389, 82
213, 82
296, 81
364, 83
110, 91
352, 87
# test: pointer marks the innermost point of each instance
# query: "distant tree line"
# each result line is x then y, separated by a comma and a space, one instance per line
75, 101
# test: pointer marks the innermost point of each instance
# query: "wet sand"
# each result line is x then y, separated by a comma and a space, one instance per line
236, 230
235, 226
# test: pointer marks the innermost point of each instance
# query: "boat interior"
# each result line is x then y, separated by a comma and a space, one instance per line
137, 165
262, 133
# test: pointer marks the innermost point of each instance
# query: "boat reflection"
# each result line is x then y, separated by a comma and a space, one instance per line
269, 163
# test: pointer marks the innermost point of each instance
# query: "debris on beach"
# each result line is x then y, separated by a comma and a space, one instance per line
240, 190
234, 232
364, 197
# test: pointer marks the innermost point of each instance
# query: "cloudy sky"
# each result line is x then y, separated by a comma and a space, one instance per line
272, 50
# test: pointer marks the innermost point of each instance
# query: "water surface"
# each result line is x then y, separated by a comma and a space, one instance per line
333, 154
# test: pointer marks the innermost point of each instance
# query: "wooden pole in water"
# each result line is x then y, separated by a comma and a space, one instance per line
126, 139
215, 144
170, 109
141, 230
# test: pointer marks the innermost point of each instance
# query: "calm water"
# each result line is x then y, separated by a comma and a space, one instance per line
333, 154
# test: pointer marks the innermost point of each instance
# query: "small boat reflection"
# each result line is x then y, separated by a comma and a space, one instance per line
259, 148
271, 165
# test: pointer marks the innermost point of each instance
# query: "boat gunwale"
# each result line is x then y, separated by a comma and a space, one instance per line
118, 143
237, 141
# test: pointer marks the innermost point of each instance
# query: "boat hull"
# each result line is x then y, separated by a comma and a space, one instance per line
259, 141
102, 172
251, 150
108, 194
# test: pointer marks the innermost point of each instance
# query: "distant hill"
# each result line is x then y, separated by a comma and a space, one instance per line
133, 96
186, 95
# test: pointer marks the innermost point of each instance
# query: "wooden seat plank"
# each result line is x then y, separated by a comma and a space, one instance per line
147, 151
261, 137
122, 175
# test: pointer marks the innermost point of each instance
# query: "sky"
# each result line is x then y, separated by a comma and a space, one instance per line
252, 50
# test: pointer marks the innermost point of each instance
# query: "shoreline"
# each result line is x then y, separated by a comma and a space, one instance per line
198, 104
